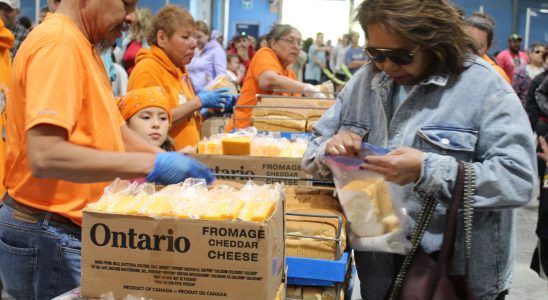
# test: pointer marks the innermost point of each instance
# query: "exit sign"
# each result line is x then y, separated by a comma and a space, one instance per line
247, 4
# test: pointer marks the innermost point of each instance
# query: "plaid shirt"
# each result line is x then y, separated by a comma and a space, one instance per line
20, 34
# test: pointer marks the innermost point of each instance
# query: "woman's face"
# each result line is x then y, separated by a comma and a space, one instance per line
536, 55
287, 47
404, 74
151, 123
201, 39
180, 47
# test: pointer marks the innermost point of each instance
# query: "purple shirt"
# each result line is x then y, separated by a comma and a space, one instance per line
207, 65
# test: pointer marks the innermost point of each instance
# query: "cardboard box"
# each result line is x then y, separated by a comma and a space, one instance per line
234, 165
169, 258
213, 125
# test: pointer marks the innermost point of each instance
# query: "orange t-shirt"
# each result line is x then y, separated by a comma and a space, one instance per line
264, 60
6, 43
58, 79
497, 68
154, 68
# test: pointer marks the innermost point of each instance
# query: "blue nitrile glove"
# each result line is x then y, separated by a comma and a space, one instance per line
175, 167
230, 106
214, 99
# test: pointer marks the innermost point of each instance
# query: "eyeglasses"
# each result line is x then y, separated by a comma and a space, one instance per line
397, 56
292, 42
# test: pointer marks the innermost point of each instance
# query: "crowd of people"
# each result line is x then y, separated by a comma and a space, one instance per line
423, 87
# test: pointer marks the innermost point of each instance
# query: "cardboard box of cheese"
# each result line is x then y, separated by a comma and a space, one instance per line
171, 258
236, 161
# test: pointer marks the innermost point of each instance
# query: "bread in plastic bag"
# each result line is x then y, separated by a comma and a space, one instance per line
373, 206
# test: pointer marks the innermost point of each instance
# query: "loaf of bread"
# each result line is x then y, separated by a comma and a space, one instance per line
368, 206
319, 201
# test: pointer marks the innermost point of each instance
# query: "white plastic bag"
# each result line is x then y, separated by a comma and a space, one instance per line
373, 206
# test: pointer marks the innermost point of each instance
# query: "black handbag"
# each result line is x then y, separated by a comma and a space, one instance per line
422, 277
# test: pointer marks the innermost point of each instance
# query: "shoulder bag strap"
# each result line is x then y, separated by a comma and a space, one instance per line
464, 190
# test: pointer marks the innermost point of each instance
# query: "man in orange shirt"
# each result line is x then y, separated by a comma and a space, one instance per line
64, 143
6, 42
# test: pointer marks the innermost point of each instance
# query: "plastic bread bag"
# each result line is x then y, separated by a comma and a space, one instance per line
373, 206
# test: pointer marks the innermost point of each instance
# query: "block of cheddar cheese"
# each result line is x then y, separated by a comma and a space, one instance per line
236, 145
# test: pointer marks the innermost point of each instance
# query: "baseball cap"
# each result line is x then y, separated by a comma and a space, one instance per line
514, 37
14, 4
239, 36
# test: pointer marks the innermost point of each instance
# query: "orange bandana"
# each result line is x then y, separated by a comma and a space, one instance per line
138, 99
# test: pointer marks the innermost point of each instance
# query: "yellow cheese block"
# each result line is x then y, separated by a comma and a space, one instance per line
238, 145
201, 147
122, 204
226, 209
159, 206
257, 210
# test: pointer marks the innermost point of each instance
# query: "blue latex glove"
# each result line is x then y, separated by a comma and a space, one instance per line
215, 99
230, 106
175, 167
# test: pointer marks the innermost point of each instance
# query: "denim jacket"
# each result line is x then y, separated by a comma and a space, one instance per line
474, 117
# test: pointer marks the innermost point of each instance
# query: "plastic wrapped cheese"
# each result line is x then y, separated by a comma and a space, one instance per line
191, 200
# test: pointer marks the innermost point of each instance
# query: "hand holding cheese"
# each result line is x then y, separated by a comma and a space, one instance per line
218, 98
174, 167
313, 91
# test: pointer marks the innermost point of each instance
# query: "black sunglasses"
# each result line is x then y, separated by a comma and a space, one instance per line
397, 56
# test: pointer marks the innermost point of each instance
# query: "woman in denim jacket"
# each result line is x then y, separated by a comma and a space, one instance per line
427, 97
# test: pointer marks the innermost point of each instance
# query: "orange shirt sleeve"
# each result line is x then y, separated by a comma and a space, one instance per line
54, 91
266, 61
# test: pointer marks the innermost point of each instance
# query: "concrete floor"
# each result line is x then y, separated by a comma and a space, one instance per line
526, 285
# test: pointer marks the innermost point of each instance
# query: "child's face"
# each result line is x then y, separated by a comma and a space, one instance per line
233, 64
151, 123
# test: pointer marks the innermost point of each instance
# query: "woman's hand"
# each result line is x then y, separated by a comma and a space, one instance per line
401, 166
344, 143
544, 146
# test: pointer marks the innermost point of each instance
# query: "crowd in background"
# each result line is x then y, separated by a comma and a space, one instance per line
163, 67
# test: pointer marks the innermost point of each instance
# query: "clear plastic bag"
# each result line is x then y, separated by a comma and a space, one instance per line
373, 206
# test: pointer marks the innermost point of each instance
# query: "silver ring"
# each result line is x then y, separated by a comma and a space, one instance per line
340, 147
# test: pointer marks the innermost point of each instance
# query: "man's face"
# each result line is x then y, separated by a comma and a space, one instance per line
104, 28
480, 39
8, 14
514, 45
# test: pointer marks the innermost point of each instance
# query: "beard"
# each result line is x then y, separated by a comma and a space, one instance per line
103, 45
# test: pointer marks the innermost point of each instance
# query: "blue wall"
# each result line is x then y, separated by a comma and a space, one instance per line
258, 14
539, 23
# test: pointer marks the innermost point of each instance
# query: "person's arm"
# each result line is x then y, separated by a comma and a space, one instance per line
181, 113
531, 106
135, 143
52, 156
356, 64
270, 81
541, 95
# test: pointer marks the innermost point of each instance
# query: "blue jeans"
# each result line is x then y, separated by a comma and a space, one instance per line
39, 259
